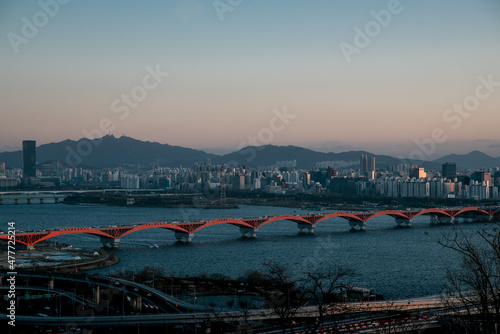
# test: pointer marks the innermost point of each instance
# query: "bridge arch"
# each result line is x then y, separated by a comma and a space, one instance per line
230, 221
346, 215
392, 213
292, 218
166, 226
436, 211
31, 239
471, 209
306, 223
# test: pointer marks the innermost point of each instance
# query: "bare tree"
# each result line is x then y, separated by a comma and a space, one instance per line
321, 287
281, 293
476, 285
244, 307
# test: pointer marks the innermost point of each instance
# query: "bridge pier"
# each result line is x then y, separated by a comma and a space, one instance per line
305, 228
97, 294
446, 220
56, 200
248, 232
483, 218
403, 222
442, 220
16, 201
183, 236
110, 242
465, 219
357, 225
41, 200
28, 200
137, 303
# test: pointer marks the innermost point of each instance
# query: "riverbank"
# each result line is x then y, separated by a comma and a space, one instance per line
149, 200
58, 258
234, 199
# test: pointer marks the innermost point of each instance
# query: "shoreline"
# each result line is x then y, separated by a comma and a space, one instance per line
64, 259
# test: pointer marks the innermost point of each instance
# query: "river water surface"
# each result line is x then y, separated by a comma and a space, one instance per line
394, 262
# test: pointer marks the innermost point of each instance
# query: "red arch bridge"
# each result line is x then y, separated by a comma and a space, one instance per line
184, 231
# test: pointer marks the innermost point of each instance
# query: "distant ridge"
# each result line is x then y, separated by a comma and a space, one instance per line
110, 151
268, 155
474, 159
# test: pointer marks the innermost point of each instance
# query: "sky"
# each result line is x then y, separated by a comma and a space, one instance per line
390, 77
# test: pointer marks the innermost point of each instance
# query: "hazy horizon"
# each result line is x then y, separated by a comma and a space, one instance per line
231, 70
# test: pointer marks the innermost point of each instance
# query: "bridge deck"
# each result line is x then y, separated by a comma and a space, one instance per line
306, 223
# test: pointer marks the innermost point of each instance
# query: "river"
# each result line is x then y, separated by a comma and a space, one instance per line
394, 262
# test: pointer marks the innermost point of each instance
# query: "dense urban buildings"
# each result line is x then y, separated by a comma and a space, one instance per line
335, 177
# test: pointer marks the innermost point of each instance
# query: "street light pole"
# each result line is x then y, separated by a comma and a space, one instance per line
171, 286
195, 308
153, 278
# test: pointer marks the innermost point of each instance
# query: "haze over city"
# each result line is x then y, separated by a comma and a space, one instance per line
230, 67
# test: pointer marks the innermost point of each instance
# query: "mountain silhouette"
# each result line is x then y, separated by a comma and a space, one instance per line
110, 152
474, 159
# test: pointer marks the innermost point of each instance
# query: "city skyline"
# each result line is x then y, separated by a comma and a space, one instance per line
211, 78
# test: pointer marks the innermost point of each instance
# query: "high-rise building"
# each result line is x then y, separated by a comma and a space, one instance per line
481, 177
58, 168
371, 164
331, 172
367, 164
239, 181
29, 158
306, 179
46, 169
497, 178
363, 162
449, 170
2, 168
417, 173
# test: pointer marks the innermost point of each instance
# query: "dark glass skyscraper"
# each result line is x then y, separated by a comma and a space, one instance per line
367, 164
449, 170
363, 162
29, 158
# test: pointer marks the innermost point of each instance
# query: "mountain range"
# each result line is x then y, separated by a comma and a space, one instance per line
110, 151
